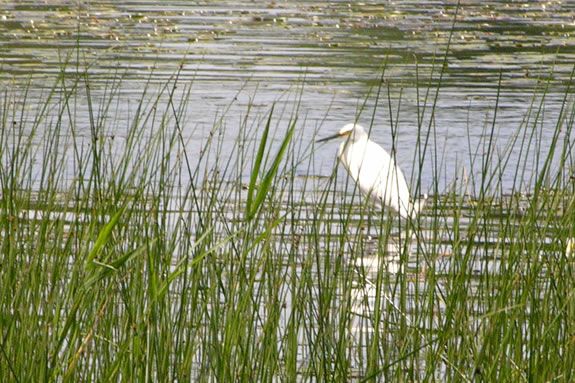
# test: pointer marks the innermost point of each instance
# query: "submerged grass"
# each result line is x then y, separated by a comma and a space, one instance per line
127, 255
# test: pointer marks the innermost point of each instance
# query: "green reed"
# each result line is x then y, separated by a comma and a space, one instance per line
128, 256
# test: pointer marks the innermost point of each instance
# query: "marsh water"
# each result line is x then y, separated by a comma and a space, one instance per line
326, 60
326, 56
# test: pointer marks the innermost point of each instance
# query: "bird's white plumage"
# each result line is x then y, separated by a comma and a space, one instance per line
375, 171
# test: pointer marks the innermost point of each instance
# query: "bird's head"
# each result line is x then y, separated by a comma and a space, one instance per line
353, 131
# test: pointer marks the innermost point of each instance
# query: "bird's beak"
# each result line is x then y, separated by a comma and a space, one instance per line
337, 135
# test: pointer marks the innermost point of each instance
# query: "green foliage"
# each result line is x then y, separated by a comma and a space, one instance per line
137, 262
265, 184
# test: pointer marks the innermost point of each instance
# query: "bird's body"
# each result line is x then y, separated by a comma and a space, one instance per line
375, 171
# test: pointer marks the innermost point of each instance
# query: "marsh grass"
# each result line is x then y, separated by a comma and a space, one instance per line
129, 255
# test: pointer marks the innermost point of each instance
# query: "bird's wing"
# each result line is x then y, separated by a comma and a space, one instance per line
376, 174
383, 179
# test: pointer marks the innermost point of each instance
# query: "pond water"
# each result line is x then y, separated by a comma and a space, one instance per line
234, 54
326, 59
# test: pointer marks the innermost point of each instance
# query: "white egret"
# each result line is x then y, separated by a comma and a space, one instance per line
375, 171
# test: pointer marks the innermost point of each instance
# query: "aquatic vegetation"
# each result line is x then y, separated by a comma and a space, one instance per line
136, 247
138, 256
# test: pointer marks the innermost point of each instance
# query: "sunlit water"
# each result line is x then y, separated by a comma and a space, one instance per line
332, 53
237, 54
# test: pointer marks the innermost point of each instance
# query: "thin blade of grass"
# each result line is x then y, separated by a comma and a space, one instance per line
104, 236
257, 164
266, 182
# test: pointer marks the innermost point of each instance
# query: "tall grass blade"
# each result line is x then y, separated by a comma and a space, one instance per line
103, 237
271, 173
257, 164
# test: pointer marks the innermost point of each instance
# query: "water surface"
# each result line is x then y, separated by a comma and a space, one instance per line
235, 54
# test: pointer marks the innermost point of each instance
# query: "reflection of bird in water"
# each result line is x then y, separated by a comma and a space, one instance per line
375, 171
